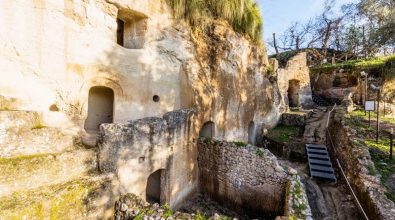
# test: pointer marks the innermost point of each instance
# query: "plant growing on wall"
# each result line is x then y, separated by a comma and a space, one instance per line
243, 15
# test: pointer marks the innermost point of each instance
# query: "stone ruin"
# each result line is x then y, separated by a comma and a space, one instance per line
294, 83
110, 98
151, 158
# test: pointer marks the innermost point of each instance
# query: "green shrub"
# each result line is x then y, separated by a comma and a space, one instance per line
260, 152
168, 213
243, 15
199, 216
240, 143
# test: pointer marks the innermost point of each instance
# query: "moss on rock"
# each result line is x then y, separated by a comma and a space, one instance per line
62, 201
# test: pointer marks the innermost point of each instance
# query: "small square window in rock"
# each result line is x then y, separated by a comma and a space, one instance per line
131, 29
156, 98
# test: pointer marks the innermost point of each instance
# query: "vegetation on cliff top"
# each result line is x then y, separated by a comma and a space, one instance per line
243, 15
358, 65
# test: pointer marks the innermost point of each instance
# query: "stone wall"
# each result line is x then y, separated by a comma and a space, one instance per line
294, 150
136, 149
245, 177
355, 161
295, 118
298, 72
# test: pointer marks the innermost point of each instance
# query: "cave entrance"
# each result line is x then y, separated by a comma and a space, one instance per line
293, 93
207, 130
100, 108
155, 187
251, 133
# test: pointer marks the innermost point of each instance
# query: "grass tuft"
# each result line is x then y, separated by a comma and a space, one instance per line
243, 15
260, 152
284, 133
240, 143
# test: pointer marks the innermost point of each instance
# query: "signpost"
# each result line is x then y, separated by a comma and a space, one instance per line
370, 106
378, 115
364, 74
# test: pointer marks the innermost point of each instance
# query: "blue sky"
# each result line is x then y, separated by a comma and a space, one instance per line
279, 14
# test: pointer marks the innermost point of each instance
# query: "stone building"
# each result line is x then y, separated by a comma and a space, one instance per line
294, 83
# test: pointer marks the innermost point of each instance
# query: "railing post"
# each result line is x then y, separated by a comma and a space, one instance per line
391, 142
378, 116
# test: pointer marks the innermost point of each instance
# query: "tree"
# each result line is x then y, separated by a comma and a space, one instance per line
381, 14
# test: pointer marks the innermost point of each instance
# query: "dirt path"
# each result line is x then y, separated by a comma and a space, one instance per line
315, 126
328, 200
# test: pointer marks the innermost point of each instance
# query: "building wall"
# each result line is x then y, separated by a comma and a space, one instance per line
296, 69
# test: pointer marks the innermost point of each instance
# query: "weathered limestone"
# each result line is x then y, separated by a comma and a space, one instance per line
27, 133
295, 118
54, 52
136, 149
333, 85
294, 83
168, 65
44, 170
347, 101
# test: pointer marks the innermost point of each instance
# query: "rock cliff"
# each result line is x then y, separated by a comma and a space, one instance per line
78, 64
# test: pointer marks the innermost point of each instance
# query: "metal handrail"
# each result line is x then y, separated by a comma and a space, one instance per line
329, 116
341, 168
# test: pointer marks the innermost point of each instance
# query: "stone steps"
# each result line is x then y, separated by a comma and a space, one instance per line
319, 162
25, 133
83, 198
27, 172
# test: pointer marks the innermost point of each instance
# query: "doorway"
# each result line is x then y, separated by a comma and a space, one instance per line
100, 108
293, 93
251, 133
154, 187
207, 130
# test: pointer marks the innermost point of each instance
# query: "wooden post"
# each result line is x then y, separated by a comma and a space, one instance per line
378, 116
369, 118
361, 97
391, 142
366, 91
364, 43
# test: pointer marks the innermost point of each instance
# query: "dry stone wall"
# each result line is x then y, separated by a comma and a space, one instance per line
246, 177
355, 161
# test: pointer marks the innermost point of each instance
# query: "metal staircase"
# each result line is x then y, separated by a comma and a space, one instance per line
319, 162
